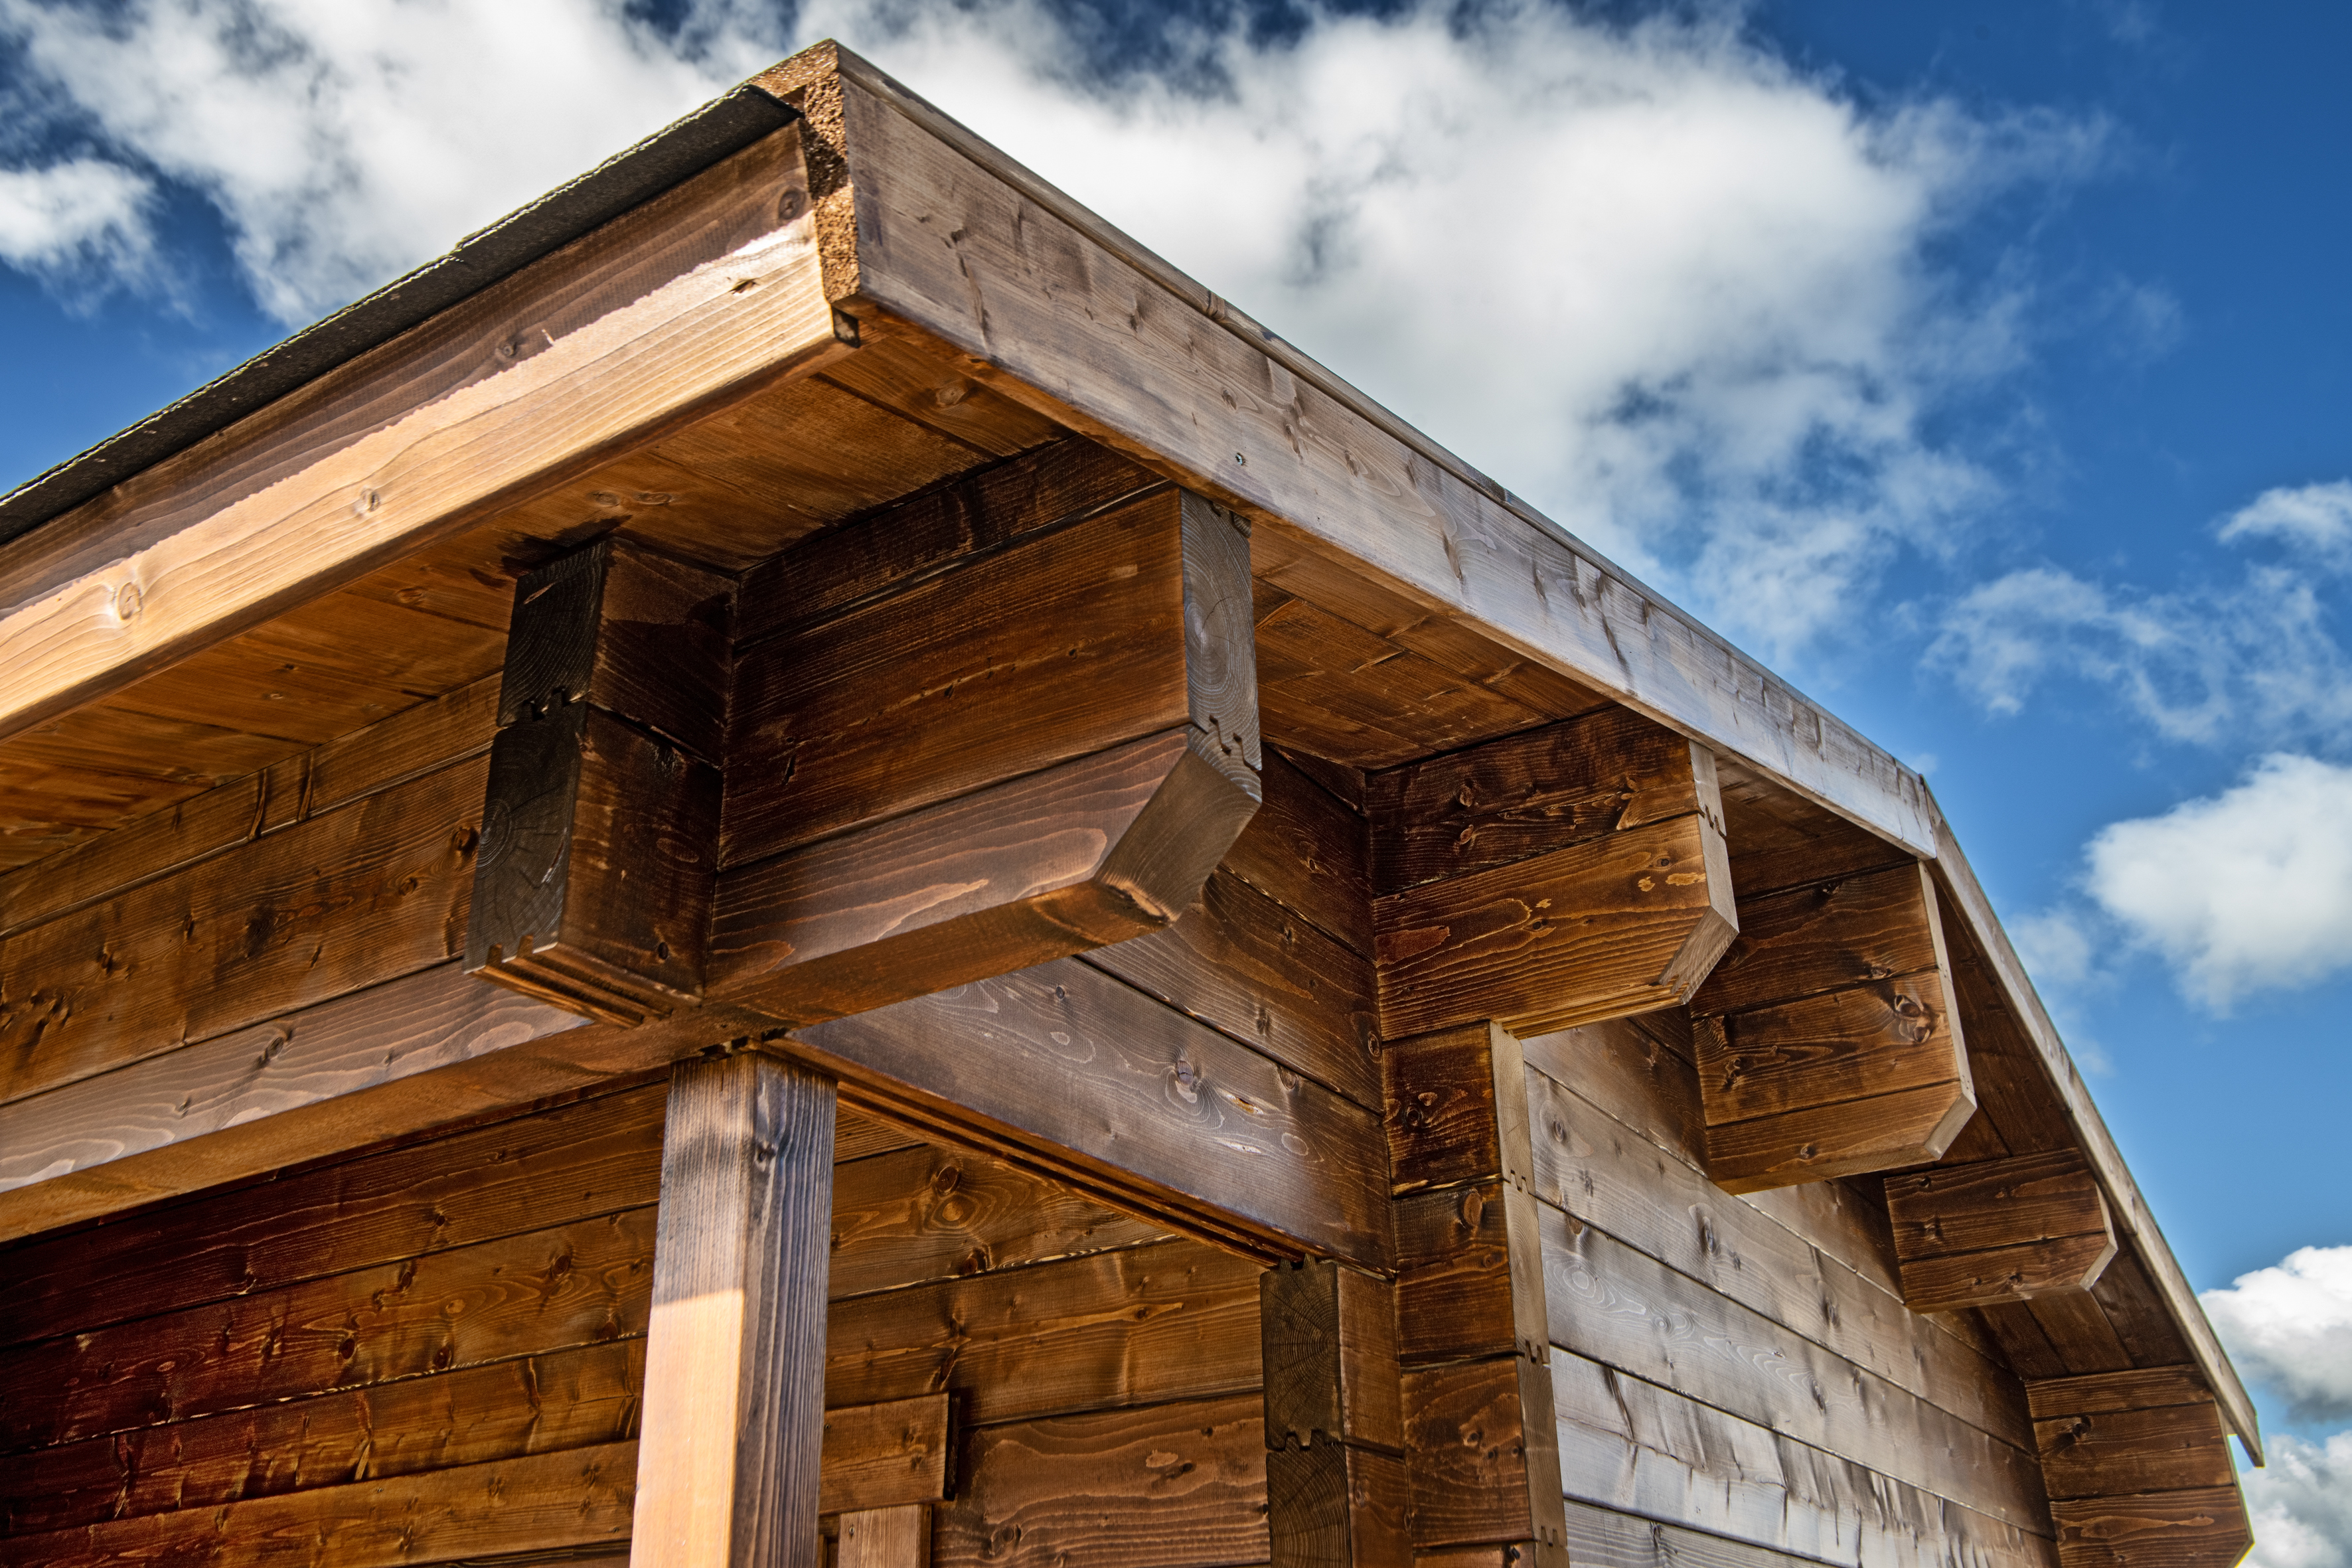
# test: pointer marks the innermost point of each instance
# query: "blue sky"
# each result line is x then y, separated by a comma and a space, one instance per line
1943, 355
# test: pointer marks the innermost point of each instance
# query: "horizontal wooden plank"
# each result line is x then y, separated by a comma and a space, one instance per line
1443, 1114
1525, 795
1307, 851
1606, 1538
1616, 1306
1240, 962
581, 1497
934, 692
898, 377
2170, 1448
504, 1410
591, 1157
1601, 1172
576, 1284
1173, 1319
1619, 924
885, 1456
2202, 1529
2140, 1388
1969, 1207
1454, 1256
1103, 1078
342, 901
309, 784
1950, 1281
1171, 1486
1855, 931
930, 1212
1478, 1466
891, 549
1814, 1143
58, 1150
429, 432
1847, 1045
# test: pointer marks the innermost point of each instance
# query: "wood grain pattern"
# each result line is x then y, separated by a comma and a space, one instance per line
578, 1497
2101, 1394
1815, 1143
1484, 1455
2116, 1453
1843, 1044
1998, 1230
1333, 1505
1239, 961
324, 486
1173, 1486
336, 903
729, 1466
1619, 924
1307, 852
885, 1456
1330, 1349
1065, 1057
885, 1538
1854, 930
1526, 795
2203, 1528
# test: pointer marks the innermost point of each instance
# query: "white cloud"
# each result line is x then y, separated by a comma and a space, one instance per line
2301, 1504
1652, 276
2249, 890
84, 211
2313, 520
2291, 1326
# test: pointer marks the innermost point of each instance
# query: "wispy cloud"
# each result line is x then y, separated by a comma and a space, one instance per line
78, 216
2301, 1504
1677, 290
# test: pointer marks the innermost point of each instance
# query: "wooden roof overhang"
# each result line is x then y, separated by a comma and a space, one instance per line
815, 301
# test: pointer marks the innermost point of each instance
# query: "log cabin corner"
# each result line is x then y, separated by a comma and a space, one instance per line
801, 863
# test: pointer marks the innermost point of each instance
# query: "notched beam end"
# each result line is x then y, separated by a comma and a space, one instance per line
1997, 1231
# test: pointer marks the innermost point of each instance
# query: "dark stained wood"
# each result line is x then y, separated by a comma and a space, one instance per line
1307, 852
330, 905
1453, 1113
2137, 1313
600, 824
1484, 1457
728, 1467
1172, 1486
885, 1456
939, 690
2108, 1392
1134, 1327
1855, 931
983, 511
1094, 850
1241, 962
898, 374
541, 1502
2202, 1529
1343, 782
1811, 1143
930, 1212
1330, 1349
1618, 924
1528, 795
2116, 1453
2078, 1328
1333, 1505
1840, 1046
1780, 839
1456, 1251
1131, 1100
1998, 1230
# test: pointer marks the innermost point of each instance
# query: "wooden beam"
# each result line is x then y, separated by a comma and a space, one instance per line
1043, 743
728, 1468
1336, 1489
1481, 1440
1560, 877
2137, 1467
886, 1456
1998, 1230
703, 294
600, 824
1826, 1038
885, 1538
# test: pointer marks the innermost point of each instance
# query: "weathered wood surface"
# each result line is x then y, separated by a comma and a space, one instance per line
1172, 1486
1243, 962
544, 1501
885, 1456
1606, 1538
1620, 924
1329, 1345
729, 1464
428, 433
1149, 1102
341, 901
1829, 935
1307, 850
1137, 1326
222, 818
1483, 1469
2205, 1529
1618, 1307
1334, 1505
933, 692
2118, 1453
1602, 1172
885, 1538
1998, 1230
1631, 1446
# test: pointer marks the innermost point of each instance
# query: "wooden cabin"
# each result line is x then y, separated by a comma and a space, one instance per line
800, 861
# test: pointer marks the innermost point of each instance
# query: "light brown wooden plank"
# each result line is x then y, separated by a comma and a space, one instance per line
885, 1456
885, 1538
2200, 1528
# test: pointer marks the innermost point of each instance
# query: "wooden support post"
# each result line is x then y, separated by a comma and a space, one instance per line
1827, 1041
599, 828
729, 1455
1998, 1230
1336, 1489
1481, 1443
2137, 1467
1560, 877
1041, 742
